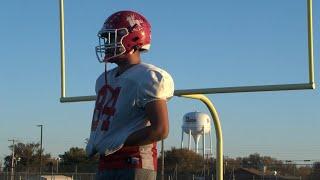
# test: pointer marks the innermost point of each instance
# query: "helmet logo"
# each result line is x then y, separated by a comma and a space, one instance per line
132, 21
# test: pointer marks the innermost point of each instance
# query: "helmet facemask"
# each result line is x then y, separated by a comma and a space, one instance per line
110, 44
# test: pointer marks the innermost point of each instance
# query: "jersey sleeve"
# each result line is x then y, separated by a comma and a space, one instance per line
155, 85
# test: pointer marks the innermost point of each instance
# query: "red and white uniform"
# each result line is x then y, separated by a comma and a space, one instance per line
119, 111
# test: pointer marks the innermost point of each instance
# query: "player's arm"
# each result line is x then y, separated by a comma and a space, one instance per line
157, 114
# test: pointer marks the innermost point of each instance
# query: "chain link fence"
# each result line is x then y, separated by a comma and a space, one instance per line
46, 176
91, 176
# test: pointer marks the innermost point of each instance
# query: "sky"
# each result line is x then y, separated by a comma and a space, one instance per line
202, 45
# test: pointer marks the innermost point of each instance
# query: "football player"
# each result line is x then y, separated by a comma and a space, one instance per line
130, 113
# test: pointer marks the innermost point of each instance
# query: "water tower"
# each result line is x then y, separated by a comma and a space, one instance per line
197, 124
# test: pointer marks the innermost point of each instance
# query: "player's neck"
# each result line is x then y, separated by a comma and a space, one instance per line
123, 68
128, 63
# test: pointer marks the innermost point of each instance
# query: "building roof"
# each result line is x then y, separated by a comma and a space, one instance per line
267, 174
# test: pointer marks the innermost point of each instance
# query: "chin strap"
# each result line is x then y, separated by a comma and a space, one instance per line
105, 73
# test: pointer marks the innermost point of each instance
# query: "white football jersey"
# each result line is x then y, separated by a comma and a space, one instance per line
119, 109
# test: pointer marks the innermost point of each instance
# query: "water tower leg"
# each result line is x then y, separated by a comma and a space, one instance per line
211, 150
196, 140
181, 138
203, 143
189, 143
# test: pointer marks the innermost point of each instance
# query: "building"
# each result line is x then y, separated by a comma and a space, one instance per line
49, 177
254, 174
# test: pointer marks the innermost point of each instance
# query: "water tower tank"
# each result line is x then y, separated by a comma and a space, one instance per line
196, 124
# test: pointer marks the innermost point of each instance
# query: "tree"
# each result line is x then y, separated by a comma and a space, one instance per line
304, 171
182, 161
315, 175
26, 157
75, 159
267, 163
253, 161
1, 166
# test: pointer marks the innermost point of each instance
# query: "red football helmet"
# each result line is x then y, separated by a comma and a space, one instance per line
123, 32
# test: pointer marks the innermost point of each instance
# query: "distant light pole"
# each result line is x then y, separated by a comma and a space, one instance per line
58, 160
40, 168
12, 159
